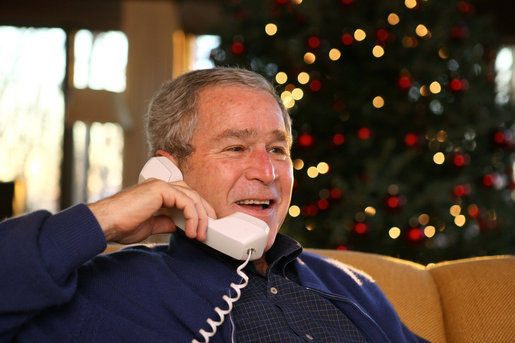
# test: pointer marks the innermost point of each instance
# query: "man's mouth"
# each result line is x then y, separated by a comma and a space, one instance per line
264, 204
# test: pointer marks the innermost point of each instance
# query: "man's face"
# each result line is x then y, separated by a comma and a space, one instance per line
241, 160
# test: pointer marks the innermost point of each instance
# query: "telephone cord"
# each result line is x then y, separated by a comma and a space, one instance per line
230, 301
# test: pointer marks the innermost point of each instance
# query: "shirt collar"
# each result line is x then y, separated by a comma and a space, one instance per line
284, 250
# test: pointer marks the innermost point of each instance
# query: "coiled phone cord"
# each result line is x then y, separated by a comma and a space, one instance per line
230, 301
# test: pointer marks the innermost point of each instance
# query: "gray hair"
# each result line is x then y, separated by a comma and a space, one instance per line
172, 114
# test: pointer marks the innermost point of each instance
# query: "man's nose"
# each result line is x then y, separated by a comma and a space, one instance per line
261, 167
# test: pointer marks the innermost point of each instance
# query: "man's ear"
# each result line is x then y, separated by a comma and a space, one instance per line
167, 155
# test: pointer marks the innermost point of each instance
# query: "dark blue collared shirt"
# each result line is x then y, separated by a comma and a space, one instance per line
275, 308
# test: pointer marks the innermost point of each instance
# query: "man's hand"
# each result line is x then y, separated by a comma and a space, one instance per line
128, 217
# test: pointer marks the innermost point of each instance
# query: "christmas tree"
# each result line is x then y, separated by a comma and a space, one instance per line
400, 147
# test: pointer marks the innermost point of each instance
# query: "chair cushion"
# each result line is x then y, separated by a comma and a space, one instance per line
478, 298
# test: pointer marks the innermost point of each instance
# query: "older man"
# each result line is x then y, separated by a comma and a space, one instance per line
230, 135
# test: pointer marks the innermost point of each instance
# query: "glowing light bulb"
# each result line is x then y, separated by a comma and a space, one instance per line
303, 78
287, 99
424, 90
309, 58
393, 19
455, 210
410, 3
439, 158
422, 31
359, 35
443, 53
429, 231
298, 164
297, 93
323, 168
435, 87
460, 220
294, 211
334, 54
441, 136
378, 51
370, 211
281, 77
286, 96
312, 172
378, 102
394, 232
423, 219
271, 29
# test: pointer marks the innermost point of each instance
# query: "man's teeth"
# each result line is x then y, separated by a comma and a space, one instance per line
253, 202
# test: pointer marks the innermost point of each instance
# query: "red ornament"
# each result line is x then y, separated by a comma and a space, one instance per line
237, 48
315, 85
461, 190
338, 139
458, 85
473, 211
336, 193
488, 180
342, 247
382, 35
459, 32
314, 42
364, 133
394, 203
415, 234
305, 140
460, 160
347, 39
464, 7
323, 204
405, 82
499, 137
309, 211
361, 228
347, 2
410, 139
503, 139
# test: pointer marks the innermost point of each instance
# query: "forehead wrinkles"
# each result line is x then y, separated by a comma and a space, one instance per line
276, 135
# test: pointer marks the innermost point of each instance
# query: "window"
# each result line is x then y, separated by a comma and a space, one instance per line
100, 60
32, 68
505, 71
100, 64
203, 46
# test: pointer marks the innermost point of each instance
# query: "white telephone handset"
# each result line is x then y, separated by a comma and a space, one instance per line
233, 235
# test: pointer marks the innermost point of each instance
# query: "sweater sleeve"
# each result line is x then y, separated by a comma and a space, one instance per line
39, 257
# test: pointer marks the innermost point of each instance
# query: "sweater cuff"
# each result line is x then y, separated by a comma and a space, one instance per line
70, 238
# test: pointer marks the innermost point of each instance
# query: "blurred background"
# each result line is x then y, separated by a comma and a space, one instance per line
403, 111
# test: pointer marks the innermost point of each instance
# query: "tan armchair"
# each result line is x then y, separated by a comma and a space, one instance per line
463, 301
469, 300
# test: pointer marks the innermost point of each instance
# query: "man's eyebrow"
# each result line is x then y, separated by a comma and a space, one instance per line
231, 133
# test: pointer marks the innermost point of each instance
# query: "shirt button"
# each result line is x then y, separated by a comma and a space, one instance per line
273, 290
309, 337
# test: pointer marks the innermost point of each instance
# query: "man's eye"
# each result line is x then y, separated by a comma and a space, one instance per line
235, 148
279, 150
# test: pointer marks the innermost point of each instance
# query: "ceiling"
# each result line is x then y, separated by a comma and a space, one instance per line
196, 15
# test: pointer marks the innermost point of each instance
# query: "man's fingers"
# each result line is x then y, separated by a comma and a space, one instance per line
163, 224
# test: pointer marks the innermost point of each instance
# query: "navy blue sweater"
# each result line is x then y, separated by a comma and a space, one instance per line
56, 288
